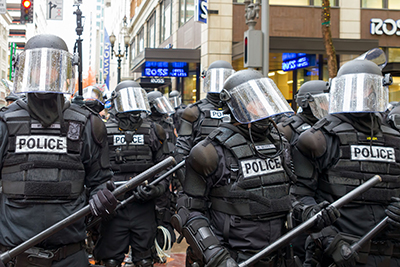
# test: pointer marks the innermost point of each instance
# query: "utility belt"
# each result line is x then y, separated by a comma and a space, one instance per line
279, 259
41, 257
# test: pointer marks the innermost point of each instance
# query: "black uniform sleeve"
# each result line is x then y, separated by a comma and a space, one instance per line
3, 142
97, 173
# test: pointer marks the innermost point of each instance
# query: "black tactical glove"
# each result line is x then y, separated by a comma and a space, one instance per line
393, 212
148, 192
222, 259
329, 214
342, 253
103, 204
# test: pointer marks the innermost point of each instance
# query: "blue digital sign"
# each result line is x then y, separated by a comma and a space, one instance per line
165, 69
293, 61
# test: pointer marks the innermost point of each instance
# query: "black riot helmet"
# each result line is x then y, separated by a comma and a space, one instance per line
359, 87
175, 98
314, 95
45, 66
12, 97
252, 97
129, 96
160, 103
215, 76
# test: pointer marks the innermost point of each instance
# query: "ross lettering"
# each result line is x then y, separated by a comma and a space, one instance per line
388, 27
42, 144
256, 167
137, 139
372, 153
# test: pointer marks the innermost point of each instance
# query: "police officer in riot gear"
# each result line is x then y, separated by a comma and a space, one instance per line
236, 193
348, 147
93, 98
11, 98
202, 117
313, 99
136, 143
161, 110
176, 102
51, 151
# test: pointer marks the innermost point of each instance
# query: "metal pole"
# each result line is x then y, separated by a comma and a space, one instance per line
265, 30
119, 63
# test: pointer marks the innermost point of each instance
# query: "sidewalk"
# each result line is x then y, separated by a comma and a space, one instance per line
177, 256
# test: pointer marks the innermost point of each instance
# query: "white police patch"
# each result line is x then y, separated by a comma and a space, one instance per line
38, 143
374, 153
138, 140
255, 167
215, 114
264, 147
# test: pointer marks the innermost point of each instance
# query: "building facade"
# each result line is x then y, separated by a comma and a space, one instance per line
169, 49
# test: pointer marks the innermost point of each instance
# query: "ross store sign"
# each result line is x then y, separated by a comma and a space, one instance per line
387, 27
293, 61
200, 10
165, 69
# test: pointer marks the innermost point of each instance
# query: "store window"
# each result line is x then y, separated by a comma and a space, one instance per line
140, 41
133, 51
186, 11
151, 31
393, 54
393, 4
394, 90
189, 89
372, 3
166, 20
289, 2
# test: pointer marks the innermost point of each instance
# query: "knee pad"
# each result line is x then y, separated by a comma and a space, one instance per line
144, 263
111, 263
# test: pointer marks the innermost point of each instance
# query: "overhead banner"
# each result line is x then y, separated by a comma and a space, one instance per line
106, 59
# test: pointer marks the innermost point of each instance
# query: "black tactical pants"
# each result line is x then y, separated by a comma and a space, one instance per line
134, 225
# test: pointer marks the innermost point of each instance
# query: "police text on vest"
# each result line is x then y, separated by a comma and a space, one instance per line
137, 139
255, 167
215, 114
38, 143
374, 153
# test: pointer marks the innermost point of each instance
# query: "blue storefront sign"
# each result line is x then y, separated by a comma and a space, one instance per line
165, 69
200, 11
293, 61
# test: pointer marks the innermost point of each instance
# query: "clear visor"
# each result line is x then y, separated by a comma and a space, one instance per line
131, 99
175, 101
163, 106
360, 92
319, 105
215, 78
256, 100
44, 70
92, 93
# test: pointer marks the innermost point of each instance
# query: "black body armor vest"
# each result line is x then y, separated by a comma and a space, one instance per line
360, 159
134, 158
44, 164
256, 188
212, 117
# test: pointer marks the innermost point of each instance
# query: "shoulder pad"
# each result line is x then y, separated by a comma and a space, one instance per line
312, 143
286, 130
160, 132
203, 158
99, 131
191, 113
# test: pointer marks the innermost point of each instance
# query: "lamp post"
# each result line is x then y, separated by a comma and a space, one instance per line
120, 54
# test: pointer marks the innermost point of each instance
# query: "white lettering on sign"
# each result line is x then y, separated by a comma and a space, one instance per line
263, 147
137, 139
255, 167
215, 114
374, 153
387, 26
153, 80
38, 143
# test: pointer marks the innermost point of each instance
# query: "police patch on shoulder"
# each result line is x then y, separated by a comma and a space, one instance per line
373, 153
256, 167
40, 143
74, 130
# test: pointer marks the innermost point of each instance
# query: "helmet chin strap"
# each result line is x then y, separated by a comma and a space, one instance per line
258, 153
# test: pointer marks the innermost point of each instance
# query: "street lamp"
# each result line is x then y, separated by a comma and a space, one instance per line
120, 54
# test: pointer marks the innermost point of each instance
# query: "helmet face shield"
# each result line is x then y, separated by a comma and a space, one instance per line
175, 101
361, 92
131, 99
256, 100
45, 70
319, 105
215, 78
163, 106
92, 93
